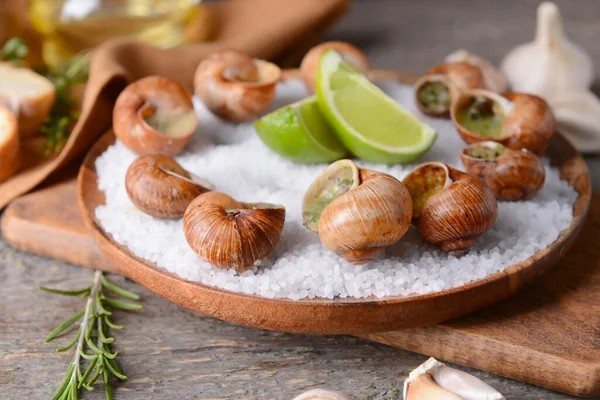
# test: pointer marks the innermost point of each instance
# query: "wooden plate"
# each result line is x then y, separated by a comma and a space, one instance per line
367, 315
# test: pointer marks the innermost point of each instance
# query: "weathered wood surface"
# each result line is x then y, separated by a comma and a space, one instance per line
171, 353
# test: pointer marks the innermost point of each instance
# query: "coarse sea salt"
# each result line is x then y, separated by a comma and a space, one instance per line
233, 158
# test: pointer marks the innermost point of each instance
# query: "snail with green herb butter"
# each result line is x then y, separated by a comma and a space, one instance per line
450, 207
357, 212
517, 120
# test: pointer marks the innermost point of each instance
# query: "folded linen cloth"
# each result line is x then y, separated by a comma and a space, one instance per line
281, 31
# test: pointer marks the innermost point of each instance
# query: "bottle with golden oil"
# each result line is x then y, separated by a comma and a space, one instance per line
70, 27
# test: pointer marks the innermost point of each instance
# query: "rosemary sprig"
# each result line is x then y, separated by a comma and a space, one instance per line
94, 324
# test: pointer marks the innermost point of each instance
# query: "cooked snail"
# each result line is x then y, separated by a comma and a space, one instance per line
517, 120
154, 115
450, 208
511, 174
231, 234
350, 53
493, 79
235, 86
440, 86
10, 146
357, 212
157, 185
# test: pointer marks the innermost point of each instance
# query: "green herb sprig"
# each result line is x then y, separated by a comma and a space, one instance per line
92, 340
14, 51
63, 114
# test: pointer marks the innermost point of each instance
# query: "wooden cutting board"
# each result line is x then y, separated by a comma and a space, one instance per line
547, 335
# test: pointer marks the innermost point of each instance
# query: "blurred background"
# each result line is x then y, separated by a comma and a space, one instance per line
406, 35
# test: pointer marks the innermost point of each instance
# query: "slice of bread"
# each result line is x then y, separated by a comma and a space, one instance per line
28, 94
10, 147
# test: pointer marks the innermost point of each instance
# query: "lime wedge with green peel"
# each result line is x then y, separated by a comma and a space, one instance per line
369, 123
300, 133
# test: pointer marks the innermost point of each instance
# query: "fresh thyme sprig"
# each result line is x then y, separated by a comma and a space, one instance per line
94, 324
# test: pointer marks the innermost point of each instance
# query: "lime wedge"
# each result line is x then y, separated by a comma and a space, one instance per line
369, 123
300, 133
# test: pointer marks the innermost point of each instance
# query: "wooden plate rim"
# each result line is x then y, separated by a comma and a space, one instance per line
499, 285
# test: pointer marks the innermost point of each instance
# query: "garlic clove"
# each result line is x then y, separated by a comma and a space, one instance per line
230, 234
550, 65
442, 198
358, 213
434, 380
424, 388
578, 117
322, 394
235, 86
350, 53
154, 115
10, 146
158, 186
511, 174
494, 79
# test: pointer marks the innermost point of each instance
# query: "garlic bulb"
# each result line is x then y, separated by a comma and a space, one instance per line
550, 65
433, 380
578, 117
493, 78
322, 394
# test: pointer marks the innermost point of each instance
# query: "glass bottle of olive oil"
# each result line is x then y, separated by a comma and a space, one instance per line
69, 27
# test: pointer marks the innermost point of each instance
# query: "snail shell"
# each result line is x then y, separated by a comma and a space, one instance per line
235, 86
440, 86
357, 212
154, 115
511, 174
158, 186
450, 208
230, 234
350, 53
494, 79
10, 146
517, 120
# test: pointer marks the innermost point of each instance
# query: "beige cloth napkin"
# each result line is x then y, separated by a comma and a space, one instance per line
279, 30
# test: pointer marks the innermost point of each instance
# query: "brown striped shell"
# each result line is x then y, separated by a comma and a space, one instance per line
511, 174
450, 208
158, 186
440, 86
357, 213
235, 86
527, 120
154, 115
231, 234
350, 53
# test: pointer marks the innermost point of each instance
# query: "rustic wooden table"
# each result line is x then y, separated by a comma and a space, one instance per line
171, 353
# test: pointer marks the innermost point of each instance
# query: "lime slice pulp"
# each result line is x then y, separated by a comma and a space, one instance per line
300, 133
369, 123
